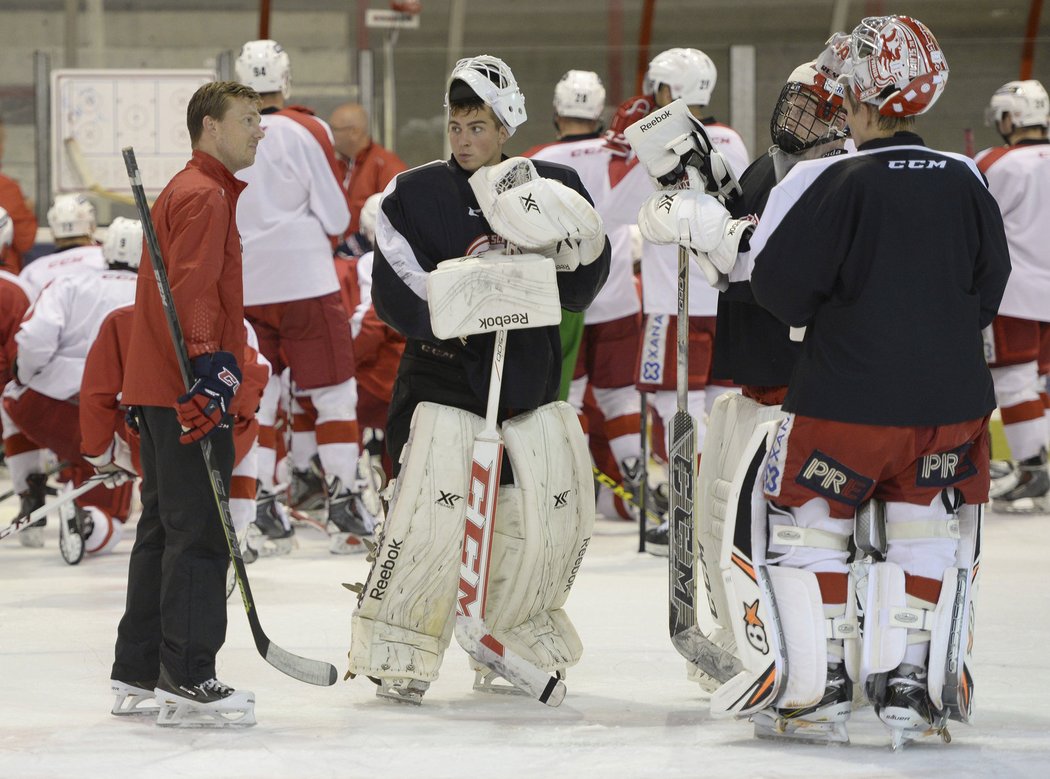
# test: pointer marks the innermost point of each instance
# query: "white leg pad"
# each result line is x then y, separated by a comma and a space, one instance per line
404, 618
542, 530
800, 611
887, 620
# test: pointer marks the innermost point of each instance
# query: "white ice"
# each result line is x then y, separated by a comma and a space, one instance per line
630, 711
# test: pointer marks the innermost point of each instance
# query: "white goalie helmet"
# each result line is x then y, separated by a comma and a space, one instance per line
264, 66
490, 79
689, 73
579, 94
7, 230
71, 216
896, 65
1025, 102
123, 242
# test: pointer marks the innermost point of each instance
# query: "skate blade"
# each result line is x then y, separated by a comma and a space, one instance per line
275, 547
771, 727
222, 714
1022, 506
408, 691
491, 682
128, 700
907, 726
32, 538
346, 543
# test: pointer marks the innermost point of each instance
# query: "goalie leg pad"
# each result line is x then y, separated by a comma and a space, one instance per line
542, 530
404, 618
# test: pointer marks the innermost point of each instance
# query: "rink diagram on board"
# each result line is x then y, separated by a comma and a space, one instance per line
630, 711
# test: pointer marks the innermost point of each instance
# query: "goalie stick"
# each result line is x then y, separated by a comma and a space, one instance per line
686, 636
471, 631
310, 671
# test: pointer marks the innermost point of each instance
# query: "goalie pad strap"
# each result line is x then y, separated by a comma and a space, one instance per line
898, 531
790, 535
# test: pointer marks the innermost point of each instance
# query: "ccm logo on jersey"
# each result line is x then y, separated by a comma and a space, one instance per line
916, 164
385, 570
833, 480
944, 468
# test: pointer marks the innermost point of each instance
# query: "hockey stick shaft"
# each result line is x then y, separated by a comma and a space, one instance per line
23, 522
482, 493
306, 670
49, 471
627, 496
644, 423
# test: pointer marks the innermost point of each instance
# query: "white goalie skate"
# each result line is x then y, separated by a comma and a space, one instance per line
210, 704
133, 698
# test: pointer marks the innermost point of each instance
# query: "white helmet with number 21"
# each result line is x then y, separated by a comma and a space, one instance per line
1025, 102
579, 94
689, 74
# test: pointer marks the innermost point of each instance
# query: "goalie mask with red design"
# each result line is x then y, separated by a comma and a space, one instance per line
896, 65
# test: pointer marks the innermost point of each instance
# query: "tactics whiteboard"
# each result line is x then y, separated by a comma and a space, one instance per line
106, 110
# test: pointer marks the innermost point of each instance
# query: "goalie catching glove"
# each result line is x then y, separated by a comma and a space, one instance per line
699, 222
205, 407
538, 214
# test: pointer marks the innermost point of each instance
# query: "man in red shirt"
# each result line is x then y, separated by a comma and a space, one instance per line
23, 219
175, 619
369, 166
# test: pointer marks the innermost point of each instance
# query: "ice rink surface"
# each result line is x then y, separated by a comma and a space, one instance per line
630, 712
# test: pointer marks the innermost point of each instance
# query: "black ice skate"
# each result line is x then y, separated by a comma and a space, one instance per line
823, 722
133, 697
1031, 493
271, 533
347, 516
906, 709
208, 704
306, 488
657, 539
655, 502
33, 498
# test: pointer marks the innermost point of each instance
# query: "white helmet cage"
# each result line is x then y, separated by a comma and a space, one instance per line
579, 94
1025, 102
809, 110
123, 242
264, 66
7, 230
689, 73
492, 81
895, 64
71, 216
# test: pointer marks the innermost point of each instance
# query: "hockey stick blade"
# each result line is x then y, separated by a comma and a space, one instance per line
310, 671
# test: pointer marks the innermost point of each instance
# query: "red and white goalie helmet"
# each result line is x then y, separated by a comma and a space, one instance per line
123, 242
71, 216
896, 64
7, 230
579, 94
1025, 102
689, 74
264, 66
492, 80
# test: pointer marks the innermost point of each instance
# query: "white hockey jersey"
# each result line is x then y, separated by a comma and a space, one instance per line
80, 259
618, 192
62, 324
660, 263
292, 203
1019, 179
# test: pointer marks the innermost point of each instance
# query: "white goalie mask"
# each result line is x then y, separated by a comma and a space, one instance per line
809, 110
7, 230
689, 74
493, 82
71, 216
896, 65
123, 242
579, 94
1025, 102
264, 66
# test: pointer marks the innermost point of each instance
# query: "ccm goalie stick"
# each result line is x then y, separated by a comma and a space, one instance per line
686, 634
301, 668
471, 631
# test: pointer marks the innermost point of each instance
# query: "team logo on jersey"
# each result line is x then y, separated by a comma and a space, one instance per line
528, 203
833, 480
943, 469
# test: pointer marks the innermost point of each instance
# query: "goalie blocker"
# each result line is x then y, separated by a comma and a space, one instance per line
405, 614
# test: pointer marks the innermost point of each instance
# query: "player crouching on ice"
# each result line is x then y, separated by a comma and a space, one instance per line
864, 504
445, 276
